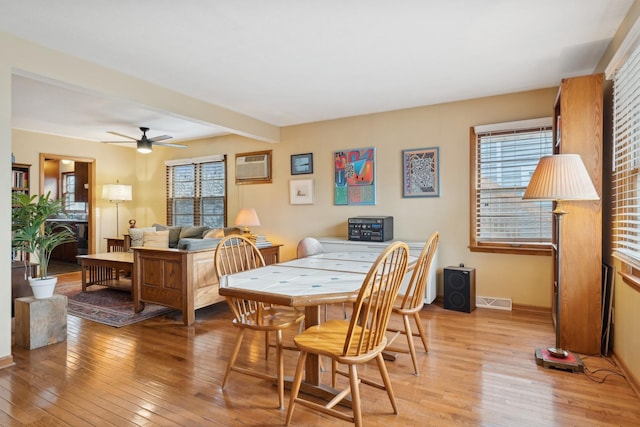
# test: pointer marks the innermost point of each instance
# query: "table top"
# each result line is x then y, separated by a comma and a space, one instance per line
109, 256
318, 279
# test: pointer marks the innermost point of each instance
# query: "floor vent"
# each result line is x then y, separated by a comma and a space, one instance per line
495, 303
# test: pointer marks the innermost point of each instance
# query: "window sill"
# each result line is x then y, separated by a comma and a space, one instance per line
631, 280
544, 251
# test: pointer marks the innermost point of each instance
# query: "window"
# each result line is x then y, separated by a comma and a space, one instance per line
626, 162
504, 157
69, 203
196, 192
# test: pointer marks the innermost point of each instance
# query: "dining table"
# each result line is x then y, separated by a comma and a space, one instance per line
310, 282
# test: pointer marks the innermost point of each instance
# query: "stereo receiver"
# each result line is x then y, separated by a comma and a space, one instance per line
371, 228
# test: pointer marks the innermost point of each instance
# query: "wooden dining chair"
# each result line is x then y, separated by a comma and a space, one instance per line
358, 340
410, 304
233, 254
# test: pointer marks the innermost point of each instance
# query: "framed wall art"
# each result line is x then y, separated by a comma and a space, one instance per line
301, 164
421, 172
354, 176
301, 191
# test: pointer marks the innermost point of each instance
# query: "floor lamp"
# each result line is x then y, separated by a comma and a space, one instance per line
116, 193
560, 177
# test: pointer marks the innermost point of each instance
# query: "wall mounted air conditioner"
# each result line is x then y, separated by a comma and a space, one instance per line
252, 167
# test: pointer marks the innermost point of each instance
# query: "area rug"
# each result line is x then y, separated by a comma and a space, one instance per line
110, 306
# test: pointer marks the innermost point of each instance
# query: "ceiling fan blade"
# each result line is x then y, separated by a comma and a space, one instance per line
122, 135
168, 144
159, 138
118, 142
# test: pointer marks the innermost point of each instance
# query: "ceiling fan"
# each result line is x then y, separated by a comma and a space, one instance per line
144, 143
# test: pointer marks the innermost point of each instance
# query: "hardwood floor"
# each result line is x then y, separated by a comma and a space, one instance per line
480, 370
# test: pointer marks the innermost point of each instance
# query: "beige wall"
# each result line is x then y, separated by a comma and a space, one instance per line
524, 279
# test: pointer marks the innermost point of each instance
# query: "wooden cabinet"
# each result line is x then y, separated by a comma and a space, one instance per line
81, 172
578, 130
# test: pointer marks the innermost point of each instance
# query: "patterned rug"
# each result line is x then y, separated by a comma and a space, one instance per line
110, 306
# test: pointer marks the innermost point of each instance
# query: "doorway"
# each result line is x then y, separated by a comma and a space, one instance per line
71, 179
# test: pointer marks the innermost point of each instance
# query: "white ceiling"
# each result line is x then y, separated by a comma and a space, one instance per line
290, 62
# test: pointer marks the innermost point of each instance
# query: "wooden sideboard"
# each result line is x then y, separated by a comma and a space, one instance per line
180, 279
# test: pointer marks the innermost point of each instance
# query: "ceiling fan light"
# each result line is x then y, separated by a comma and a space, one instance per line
144, 146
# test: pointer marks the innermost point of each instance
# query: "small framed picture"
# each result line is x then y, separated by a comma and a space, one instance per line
301, 164
301, 191
421, 172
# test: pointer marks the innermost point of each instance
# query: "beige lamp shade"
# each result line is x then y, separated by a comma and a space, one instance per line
247, 217
116, 192
561, 177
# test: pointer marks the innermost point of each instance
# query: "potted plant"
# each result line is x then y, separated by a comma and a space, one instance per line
33, 234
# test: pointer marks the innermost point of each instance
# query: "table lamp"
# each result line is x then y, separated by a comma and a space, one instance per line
247, 217
116, 193
558, 178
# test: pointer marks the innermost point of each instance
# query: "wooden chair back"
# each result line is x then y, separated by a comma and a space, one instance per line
308, 246
234, 254
414, 296
372, 309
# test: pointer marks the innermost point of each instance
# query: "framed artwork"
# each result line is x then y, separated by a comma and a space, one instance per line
421, 172
301, 191
301, 164
253, 167
354, 177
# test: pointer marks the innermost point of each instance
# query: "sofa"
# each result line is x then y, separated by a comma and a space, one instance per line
181, 237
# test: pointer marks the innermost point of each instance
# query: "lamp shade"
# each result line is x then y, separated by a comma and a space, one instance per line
247, 217
561, 177
116, 192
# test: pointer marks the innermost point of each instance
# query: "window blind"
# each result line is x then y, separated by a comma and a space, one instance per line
505, 160
196, 192
626, 160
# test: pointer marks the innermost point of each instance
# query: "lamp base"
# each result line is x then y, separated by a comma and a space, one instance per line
558, 352
570, 362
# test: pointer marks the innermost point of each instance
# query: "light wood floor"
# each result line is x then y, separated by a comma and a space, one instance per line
480, 371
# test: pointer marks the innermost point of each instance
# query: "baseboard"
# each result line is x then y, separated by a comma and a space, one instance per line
6, 361
532, 308
633, 381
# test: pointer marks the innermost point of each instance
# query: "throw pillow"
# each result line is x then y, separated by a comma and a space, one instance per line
136, 235
156, 239
174, 233
192, 232
214, 233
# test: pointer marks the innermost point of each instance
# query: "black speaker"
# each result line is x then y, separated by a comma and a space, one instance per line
460, 289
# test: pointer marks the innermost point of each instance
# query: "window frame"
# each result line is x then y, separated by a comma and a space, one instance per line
197, 200
524, 247
625, 169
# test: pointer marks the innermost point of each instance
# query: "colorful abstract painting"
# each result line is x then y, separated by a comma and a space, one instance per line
355, 177
420, 171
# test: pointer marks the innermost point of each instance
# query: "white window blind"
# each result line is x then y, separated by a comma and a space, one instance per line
626, 160
505, 159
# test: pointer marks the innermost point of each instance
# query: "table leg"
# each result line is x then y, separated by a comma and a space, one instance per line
312, 368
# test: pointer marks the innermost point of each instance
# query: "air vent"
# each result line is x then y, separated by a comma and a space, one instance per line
495, 303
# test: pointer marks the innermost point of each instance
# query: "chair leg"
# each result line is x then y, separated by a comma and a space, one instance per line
355, 395
423, 336
412, 347
387, 381
232, 358
295, 387
266, 345
280, 369
334, 373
